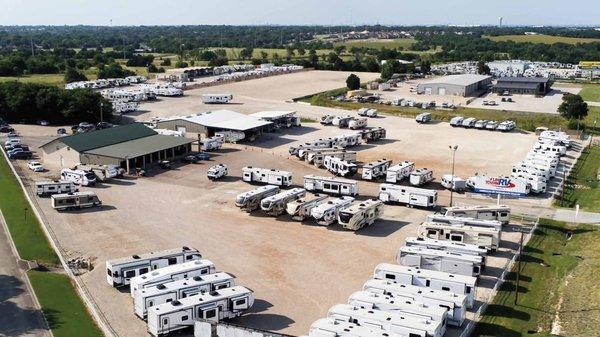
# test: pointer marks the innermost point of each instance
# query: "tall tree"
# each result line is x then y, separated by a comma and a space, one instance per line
353, 82
573, 107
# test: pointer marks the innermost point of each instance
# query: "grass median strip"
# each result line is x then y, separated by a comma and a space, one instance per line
583, 184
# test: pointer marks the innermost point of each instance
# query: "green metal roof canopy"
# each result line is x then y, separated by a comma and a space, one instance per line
140, 147
96, 139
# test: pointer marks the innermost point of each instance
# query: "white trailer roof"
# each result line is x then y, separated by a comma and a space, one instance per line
206, 297
415, 250
440, 275
151, 255
184, 283
270, 115
331, 179
410, 289
225, 119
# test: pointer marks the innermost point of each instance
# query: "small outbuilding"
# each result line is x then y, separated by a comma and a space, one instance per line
538, 86
458, 85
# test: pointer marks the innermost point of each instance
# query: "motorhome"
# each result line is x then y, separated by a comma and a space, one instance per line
357, 123
44, 188
393, 322
266, 176
327, 119
538, 184
176, 290
409, 196
481, 212
456, 121
78, 177
120, 271
339, 167
213, 306
548, 170
420, 177
481, 236
217, 171
506, 126
318, 158
372, 134
212, 143
400, 171
376, 169
216, 98
437, 280
433, 259
275, 205
462, 221
75, 200
250, 201
456, 304
330, 327
342, 121
453, 182
171, 273
326, 213
468, 122
448, 246
300, 209
360, 214
335, 186
498, 186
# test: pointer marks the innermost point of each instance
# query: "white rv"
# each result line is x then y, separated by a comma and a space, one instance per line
561, 150
102, 172
420, 177
560, 136
376, 169
481, 236
211, 306
453, 182
353, 139
339, 167
399, 171
304, 153
530, 169
361, 214
212, 143
372, 134
342, 121
448, 246
433, 259
171, 273
318, 158
43, 188
231, 136
312, 145
276, 204
217, 171
538, 183
74, 200
335, 186
266, 176
499, 186
78, 177
409, 196
550, 164
455, 303
330, 327
326, 213
176, 290
462, 221
500, 213
249, 201
216, 98
327, 119
357, 123
300, 209
437, 280
120, 271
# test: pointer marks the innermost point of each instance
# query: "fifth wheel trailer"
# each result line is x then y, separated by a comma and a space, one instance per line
448, 246
360, 215
433, 259
500, 213
330, 327
300, 209
399, 171
481, 236
339, 167
460, 221
326, 213
376, 169
267, 176
120, 271
276, 204
171, 273
410, 196
335, 186
249, 201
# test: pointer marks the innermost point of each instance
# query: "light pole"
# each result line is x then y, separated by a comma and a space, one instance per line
453, 148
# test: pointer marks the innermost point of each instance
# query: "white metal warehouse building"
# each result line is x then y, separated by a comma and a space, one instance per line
457, 85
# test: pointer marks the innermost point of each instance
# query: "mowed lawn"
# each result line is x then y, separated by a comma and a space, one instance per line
590, 92
583, 185
549, 39
557, 281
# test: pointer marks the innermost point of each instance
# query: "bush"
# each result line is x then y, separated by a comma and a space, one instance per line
166, 62
72, 75
353, 82
575, 124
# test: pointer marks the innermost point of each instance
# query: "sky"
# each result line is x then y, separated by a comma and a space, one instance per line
299, 12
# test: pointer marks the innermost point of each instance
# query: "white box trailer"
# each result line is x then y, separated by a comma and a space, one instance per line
330, 327
318, 157
335, 186
400, 171
171, 273
455, 304
266, 176
499, 185
357, 123
437, 280
322, 143
176, 290
249, 201
44, 188
462, 221
433, 259
390, 322
339, 167
326, 213
360, 214
216, 98
538, 184
421, 177
376, 169
300, 209
481, 236
275, 205
75, 200
213, 306
121, 270
342, 121
409, 196
447, 246
481, 212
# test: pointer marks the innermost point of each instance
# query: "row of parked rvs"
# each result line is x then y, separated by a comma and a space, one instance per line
349, 122
102, 83
172, 289
482, 124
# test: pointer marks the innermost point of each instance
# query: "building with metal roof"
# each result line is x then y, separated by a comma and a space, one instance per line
539, 86
459, 85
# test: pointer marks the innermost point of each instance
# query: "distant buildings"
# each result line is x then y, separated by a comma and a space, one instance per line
538, 86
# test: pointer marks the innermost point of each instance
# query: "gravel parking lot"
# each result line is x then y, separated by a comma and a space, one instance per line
529, 103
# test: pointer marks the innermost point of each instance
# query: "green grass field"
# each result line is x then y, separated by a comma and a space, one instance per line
590, 92
234, 53
548, 39
550, 261
583, 185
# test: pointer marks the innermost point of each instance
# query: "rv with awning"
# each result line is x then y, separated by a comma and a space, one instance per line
482, 236
400, 171
266, 176
300, 209
409, 196
171, 273
461, 221
75, 200
433, 259
335, 186
482, 212
275, 205
376, 169
360, 214
447, 246
250, 201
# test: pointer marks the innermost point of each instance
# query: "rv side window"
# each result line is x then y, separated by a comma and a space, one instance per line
130, 273
457, 238
326, 186
446, 288
476, 269
432, 232
503, 214
189, 257
204, 271
390, 276
150, 303
240, 302
169, 300
427, 283
184, 318
413, 335
468, 290
143, 271
172, 260
431, 200
211, 313
165, 321
108, 272
221, 286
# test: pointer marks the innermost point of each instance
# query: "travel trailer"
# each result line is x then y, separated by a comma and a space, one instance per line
249, 201
376, 169
171, 273
455, 303
217, 171
44, 188
398, 172
436, 280
212, 143
318, 158
448, 246
462, 221
335, 186
339, 167
176, 290
420, 177
275, 205
481, 236
315, 144
231, 136
453, 182
559, 136
330, 327
216, 98
102, 172
326, 213
531, 169
120, 271
409, 196
327, 119
75, 200
372, 134
551, 147
353, 139
304, 153
360, 214
300, 209
482, 212
266, 176
433, 259
499, 185
213, 306
342, 121
357, 123
78, 177
538, 184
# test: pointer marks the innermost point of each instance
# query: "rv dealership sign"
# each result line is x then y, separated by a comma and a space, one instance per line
499, 185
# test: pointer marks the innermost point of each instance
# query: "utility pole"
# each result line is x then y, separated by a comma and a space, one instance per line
101, 112
519, 268
453, 148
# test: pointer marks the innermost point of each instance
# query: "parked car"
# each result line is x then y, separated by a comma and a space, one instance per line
12, 134
195, 157
14, 147
21, 155
61, 131
44, 123
35, 166
103, 125
165, 164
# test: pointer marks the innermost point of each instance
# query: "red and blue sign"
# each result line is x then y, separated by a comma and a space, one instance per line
499, 185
